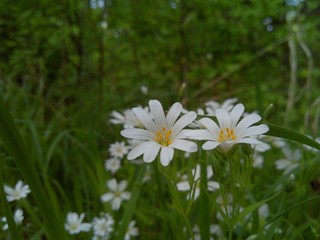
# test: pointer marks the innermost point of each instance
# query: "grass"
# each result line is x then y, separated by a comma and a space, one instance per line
59, 151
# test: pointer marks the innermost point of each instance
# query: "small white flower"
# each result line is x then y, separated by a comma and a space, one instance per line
214, 230
128, 118
290, 162
185, 186
229, 130
144, 90
103, 226
132, 231
113, 164
18, 218
212, 106
257, 160
21, 190
118, 149
162, 133
117, 193
74, 224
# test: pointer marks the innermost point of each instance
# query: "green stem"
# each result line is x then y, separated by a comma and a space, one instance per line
231, 215
204, 223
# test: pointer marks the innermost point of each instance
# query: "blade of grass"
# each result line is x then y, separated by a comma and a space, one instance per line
15, 145
204, 222
129, 210
277, 131
290, 208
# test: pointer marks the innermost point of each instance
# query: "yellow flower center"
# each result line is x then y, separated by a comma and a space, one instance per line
163, 137
226, 135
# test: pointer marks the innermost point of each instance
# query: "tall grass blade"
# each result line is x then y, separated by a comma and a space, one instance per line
277, 131
15, 145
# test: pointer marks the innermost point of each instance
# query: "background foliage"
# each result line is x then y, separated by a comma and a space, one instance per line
65, 65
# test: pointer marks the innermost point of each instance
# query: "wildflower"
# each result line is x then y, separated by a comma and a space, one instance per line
18, 218
128, 118
229, 131
21, 190
112, 164
103, 226
117, 193
162, 133
74, 224
132, 231
214, 230
185, 186
212, 106
118, 149
144, 90
290, 162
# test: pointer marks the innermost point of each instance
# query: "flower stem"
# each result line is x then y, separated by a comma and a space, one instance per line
204, 223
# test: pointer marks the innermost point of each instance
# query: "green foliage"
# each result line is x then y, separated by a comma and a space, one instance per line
65, 66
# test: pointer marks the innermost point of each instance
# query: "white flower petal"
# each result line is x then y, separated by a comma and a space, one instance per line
112, 184
182, 122
138, 150
211, 126
106, 197
254, 130
209, 145
173, 114
199, 134
137, 133
151, 152
166, 155
122, 185
157, 113
183, 186
212, 186
236, 113
116, 203
223, 118
184, 145
126, 195
145, 118
246, 122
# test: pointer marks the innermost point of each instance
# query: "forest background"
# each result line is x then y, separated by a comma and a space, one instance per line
66, 65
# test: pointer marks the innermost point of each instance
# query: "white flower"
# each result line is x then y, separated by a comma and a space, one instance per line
117, 193
112, 164
290, 162
214, 230
103, 227
144, 90
185, 186
230, 130
212, 106
74, 224
20, 191
128, 118
118, 149
132, 231
257, 160
162, 133
18, 218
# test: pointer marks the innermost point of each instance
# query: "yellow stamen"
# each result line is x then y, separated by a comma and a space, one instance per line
163, 137
226, 135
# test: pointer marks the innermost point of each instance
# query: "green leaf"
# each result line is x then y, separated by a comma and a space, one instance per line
131, 206
44, 198
281, 132
253, 207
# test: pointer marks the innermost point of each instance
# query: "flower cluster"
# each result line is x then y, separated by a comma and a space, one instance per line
162, 133
102, 226
17, 193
